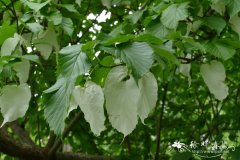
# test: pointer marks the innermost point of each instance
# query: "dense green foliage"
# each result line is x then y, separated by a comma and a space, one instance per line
138, 74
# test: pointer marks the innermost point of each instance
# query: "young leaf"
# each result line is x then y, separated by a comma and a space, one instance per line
22, 68
173, 14
219, 49
91, 99
214, 77
34, 27
46, 42
14, 101
138, 55
73, 62
148, 95
121, 93
9, 45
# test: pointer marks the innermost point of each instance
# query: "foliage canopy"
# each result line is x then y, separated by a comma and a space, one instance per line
118, 78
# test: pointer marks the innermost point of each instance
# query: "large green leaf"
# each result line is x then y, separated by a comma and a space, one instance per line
219, 49
216, 23
14, 101
46, 42
73, 62
121, 93
91, 99
138, 55
165, 53
148, 95
67, 25
235, 24
173, 14
56, 17
214, 77
219, 6
57, 105
6, 31
37, 6
233, 7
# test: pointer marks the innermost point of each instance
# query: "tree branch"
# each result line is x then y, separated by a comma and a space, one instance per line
13, 148
23, 136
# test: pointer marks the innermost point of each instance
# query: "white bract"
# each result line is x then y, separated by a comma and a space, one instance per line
214, 77
14, 101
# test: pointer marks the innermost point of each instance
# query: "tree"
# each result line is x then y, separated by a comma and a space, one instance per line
118, 78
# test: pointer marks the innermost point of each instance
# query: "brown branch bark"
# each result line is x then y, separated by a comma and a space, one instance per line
21, 133
24, 151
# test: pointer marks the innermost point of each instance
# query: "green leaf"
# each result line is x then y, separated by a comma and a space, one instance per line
149, 38
78, 2
216, 23
173, 14
214, 77
46, 42
34, 27
159, 30
60, 82
233, 7
133, 18
22, 68
10, 45
219, 49
138, 55
148, 95
73, 62
235, 24
117, 39
33, 58
185, 70
14, 101
56, 107
56, 18
91, 99
165, 53
107, 3
67, 25
37, 6
69, 7
122, 109
6, 31
219, 7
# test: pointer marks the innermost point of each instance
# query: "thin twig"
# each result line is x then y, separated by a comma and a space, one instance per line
15, 15
159, 127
